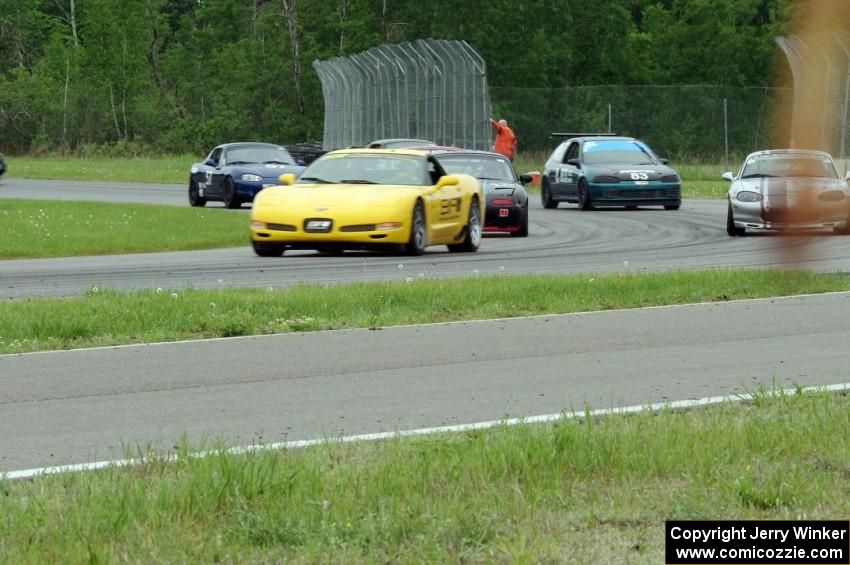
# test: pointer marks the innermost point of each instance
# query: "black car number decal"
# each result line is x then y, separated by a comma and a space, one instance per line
450, 205
207, 180
565, 175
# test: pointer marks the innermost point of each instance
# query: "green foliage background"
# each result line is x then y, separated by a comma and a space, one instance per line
182, 75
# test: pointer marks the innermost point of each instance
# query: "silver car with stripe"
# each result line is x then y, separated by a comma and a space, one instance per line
787, 189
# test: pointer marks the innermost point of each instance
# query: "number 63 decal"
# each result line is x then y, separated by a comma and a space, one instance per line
639, 176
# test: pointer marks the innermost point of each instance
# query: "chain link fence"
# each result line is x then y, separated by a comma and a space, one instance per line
820, 68
707, 123
437, 90
427, 89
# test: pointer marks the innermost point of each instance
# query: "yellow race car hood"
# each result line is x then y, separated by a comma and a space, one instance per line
332, 195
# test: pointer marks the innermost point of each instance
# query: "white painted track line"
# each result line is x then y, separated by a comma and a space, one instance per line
541, 419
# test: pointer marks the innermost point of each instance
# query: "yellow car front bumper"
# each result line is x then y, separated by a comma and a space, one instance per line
359, 231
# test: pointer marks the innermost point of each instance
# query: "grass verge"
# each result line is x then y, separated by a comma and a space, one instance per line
105, 317
713, 190
580, 491
165, 170
38, 228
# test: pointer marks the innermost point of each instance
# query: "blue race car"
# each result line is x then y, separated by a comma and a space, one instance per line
234, 173
606, 170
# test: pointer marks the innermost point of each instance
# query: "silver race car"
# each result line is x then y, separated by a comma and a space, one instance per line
787, 189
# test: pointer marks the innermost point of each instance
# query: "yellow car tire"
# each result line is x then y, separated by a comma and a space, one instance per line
472, 239
268, 249
418, 234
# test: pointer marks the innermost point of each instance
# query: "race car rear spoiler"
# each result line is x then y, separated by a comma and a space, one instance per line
586, 134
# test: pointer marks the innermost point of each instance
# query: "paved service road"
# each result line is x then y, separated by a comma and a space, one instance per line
564, 240
175, 194
80, 406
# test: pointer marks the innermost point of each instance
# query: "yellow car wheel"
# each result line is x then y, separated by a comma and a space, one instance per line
418, 235
472, 239
268, 249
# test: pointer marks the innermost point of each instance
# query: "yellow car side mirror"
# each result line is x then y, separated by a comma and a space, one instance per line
447, 180
286, 179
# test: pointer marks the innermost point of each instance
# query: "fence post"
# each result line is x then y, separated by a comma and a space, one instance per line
726, 133
842, 39
480, 92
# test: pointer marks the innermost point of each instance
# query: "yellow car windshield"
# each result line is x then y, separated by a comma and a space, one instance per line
366, 169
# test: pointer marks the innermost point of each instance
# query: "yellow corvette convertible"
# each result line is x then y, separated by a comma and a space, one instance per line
400, 200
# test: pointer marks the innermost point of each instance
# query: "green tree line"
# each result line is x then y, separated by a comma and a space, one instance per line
183, 75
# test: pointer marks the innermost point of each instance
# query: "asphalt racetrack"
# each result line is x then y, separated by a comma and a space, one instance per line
77, 406
564, 240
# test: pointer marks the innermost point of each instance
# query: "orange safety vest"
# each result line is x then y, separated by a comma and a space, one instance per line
505, 140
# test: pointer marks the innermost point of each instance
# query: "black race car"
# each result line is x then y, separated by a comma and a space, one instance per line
306, 152
507, 201
2, 165
607, 170
234, 173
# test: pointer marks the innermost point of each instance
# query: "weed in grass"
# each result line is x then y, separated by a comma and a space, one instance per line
232, 328
63, 329
763, 488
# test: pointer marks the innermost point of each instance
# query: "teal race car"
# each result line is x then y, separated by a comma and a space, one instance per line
607, 170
